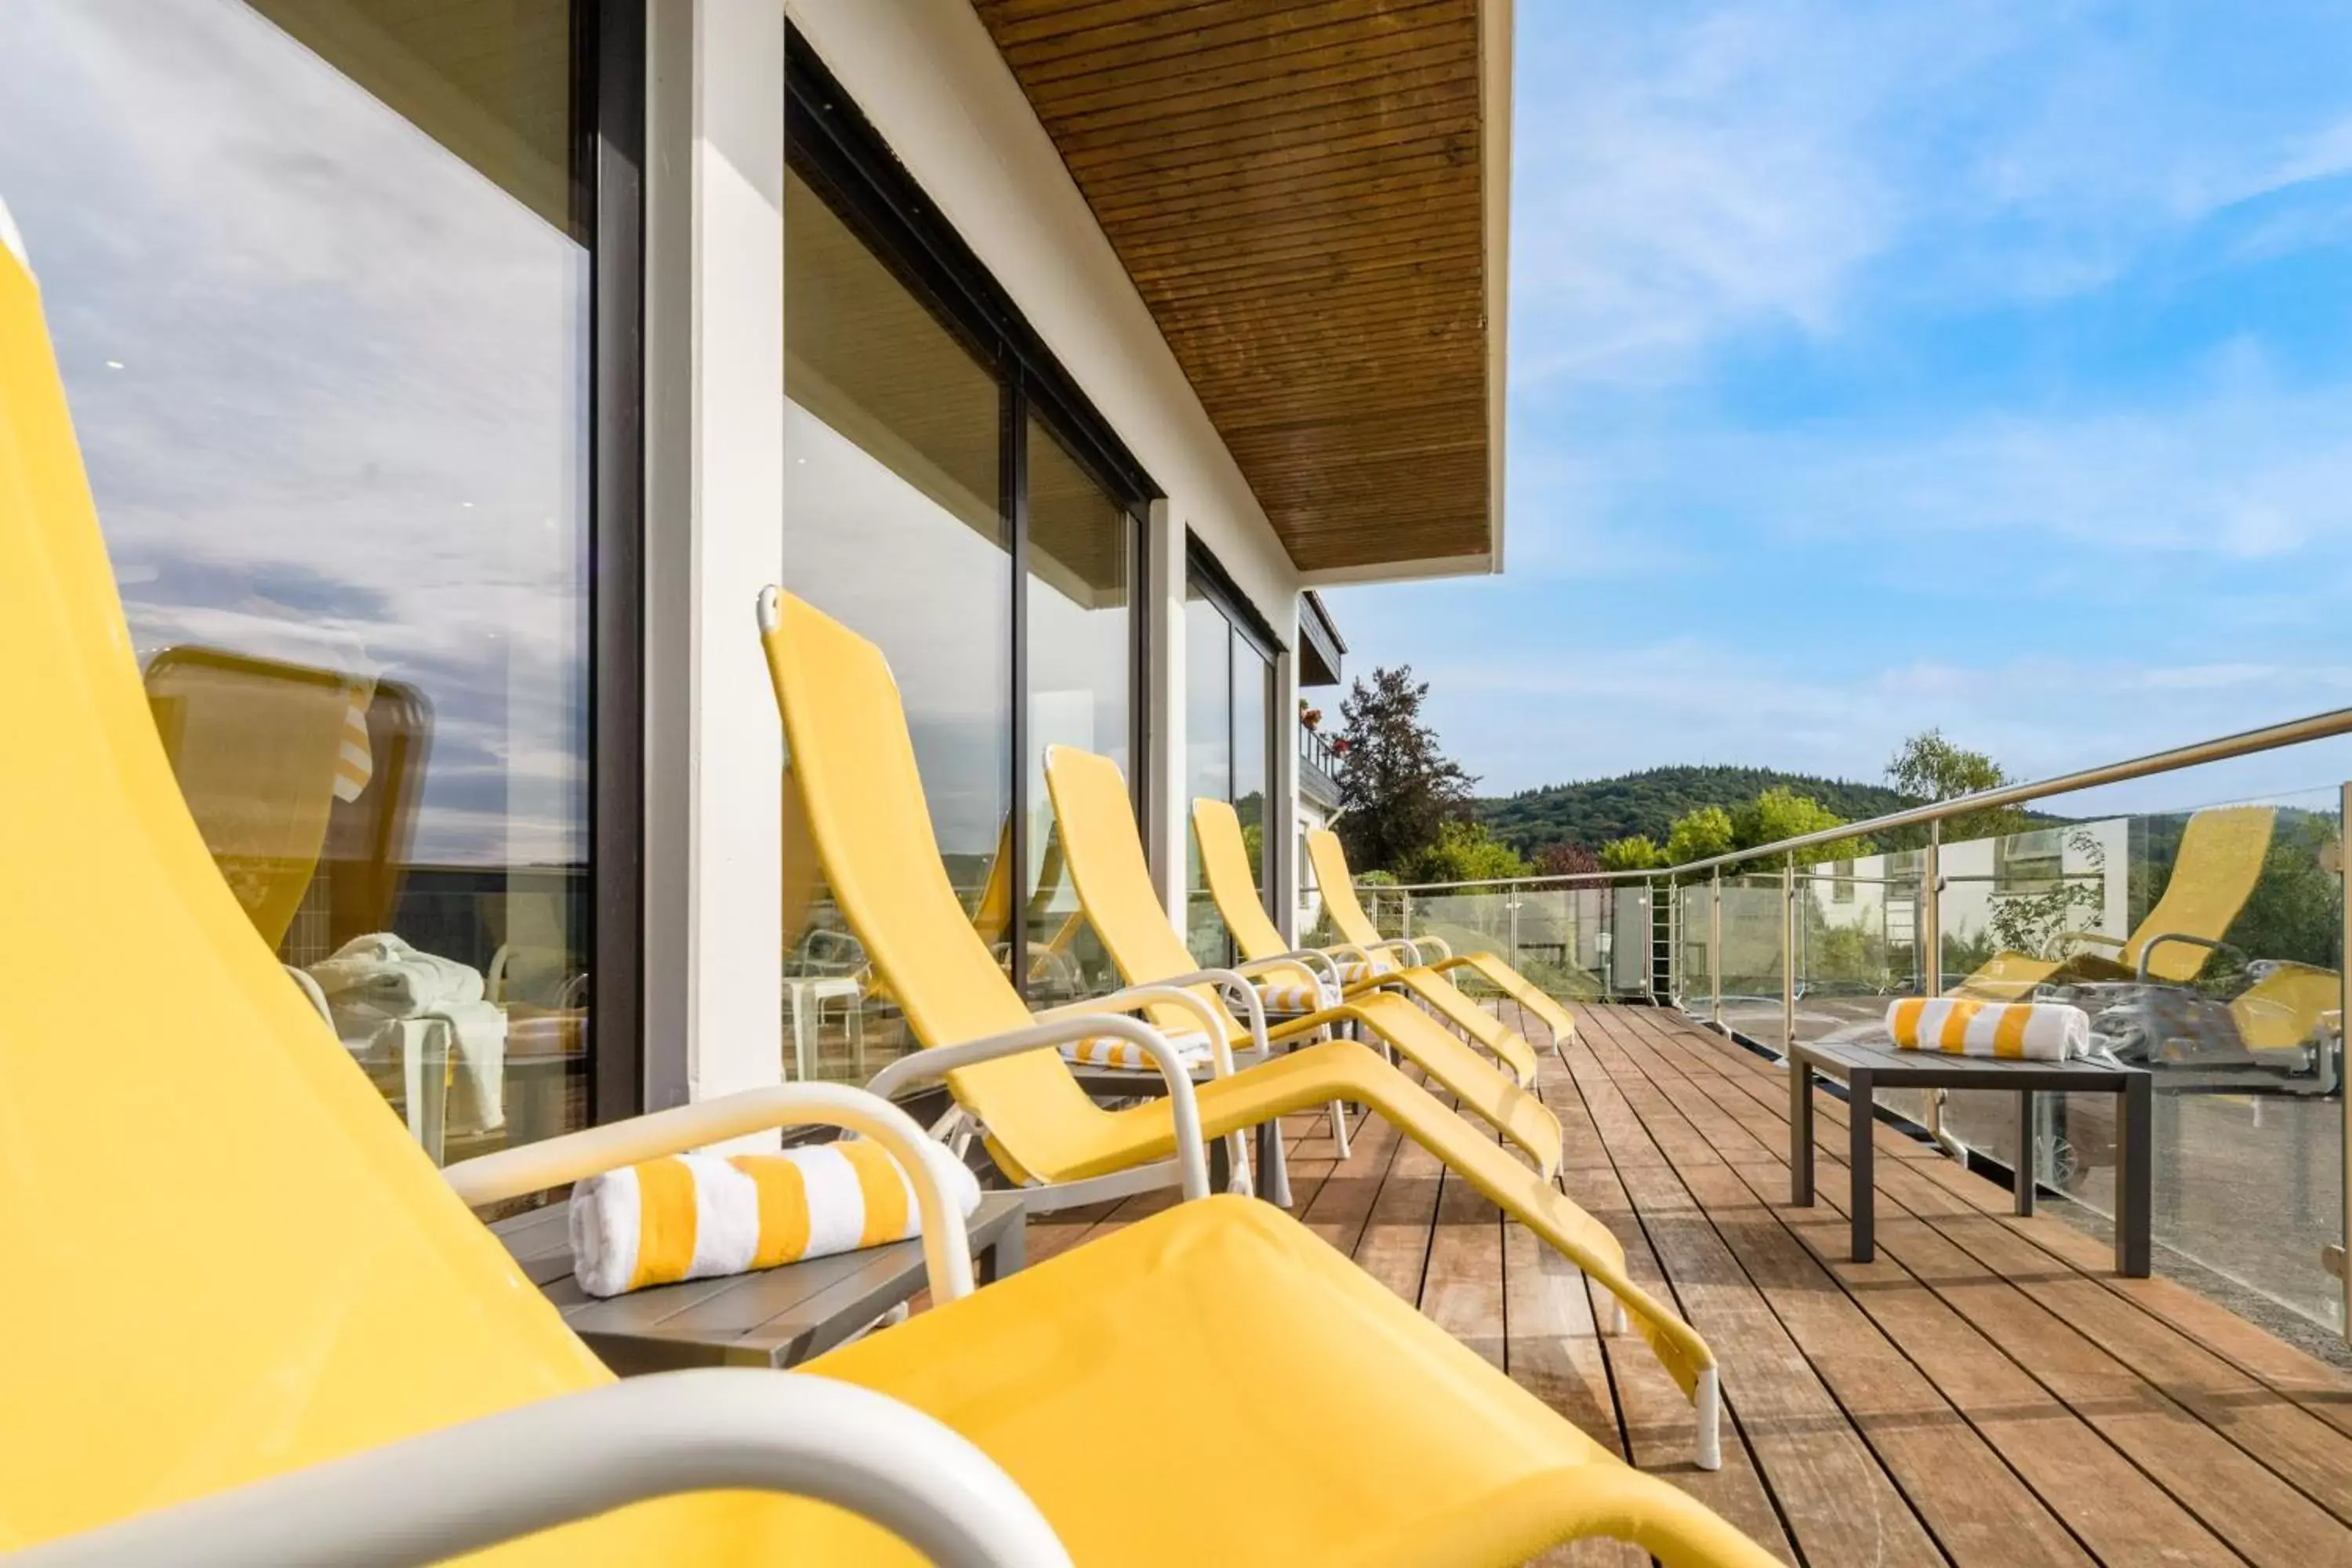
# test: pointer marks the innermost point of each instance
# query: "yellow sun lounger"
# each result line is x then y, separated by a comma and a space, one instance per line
1355, 929
2213, 875
1224, 861
1106, 858
847, 733
348, 1367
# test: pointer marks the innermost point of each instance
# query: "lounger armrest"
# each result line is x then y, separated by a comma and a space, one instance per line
576, 1156
1313, 960
2207, 942
1236, 986
502, 1476
935, 1062
1137, 997
1425, 943
1411, 952
2102, 938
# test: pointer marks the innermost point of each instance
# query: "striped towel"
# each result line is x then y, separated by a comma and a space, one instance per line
1296, 998
697, 1217
2027, 1031
1356, 972
1110, 1051
355, 762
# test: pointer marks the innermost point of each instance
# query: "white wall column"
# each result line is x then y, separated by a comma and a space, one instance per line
1163, 544
715, 497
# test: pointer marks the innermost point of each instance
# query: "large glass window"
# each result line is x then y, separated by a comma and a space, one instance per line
931, 446
320, 279
1081, 640
1208, 754
1228, 703
893, 521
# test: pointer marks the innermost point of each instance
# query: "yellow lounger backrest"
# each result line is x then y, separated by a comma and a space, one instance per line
2220, 859
224, 1258
1224, 862
1105, 854
847, 731
2292, 1005
1338, 890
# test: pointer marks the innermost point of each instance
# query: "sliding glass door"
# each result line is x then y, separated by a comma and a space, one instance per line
950, 495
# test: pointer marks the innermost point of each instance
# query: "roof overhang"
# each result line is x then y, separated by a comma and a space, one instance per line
1315, 205
1320, 646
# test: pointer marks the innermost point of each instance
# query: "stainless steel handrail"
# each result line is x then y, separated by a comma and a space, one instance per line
2294, 732
2270, 738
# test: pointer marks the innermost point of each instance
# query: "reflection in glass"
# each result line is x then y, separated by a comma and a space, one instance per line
319, 278
1081, 544
893, 524
1253, 784
1208, 757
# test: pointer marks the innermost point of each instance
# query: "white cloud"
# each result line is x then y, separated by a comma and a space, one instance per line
347, 425
1687, 174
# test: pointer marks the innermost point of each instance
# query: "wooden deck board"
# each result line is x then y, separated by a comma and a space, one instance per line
1986, 1392
2195, 1464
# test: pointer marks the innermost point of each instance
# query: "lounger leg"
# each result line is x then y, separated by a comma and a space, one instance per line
1274, 1169
1339, 1128
1708, 1408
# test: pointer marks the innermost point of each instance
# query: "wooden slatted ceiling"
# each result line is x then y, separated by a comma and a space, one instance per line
1297, 191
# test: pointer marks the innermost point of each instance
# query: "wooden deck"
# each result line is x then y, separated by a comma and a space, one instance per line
1986, 1391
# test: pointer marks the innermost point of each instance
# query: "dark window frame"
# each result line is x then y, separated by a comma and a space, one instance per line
609, 184
832, 146
1206, 572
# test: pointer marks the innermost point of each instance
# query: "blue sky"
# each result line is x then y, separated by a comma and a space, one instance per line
1981, 366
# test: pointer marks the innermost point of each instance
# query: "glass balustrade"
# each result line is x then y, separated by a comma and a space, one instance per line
2204, 944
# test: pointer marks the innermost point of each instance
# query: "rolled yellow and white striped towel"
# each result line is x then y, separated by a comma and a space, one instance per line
1110, 1051
1356, 970
1296, 997
2024, 1031
697, 1217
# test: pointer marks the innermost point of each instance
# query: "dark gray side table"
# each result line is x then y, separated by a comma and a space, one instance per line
775, 1318
1863, 1067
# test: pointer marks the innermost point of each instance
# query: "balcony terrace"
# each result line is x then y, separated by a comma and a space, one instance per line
1985, 1392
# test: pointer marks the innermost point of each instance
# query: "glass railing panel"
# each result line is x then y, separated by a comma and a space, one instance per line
1750, 965
2244, 1039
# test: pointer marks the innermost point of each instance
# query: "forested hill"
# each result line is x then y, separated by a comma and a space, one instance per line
1596, 811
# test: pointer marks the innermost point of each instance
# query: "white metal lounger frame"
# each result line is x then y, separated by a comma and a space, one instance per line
1190, 1168
472, 1486
475, 1485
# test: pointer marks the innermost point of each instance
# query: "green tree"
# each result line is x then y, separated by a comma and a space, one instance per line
1928, 767
1635, 854
1397, 790
1700, 834
1781, 813
2296, 911
1466, 852
1566, 861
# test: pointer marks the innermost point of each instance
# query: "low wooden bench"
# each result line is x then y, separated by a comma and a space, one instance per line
774, 1317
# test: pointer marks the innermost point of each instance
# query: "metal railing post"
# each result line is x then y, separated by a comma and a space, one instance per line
1789, 955
1512, 908
1715, 946
1929, 958
2343, 1034
1931, 912
1405, 896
